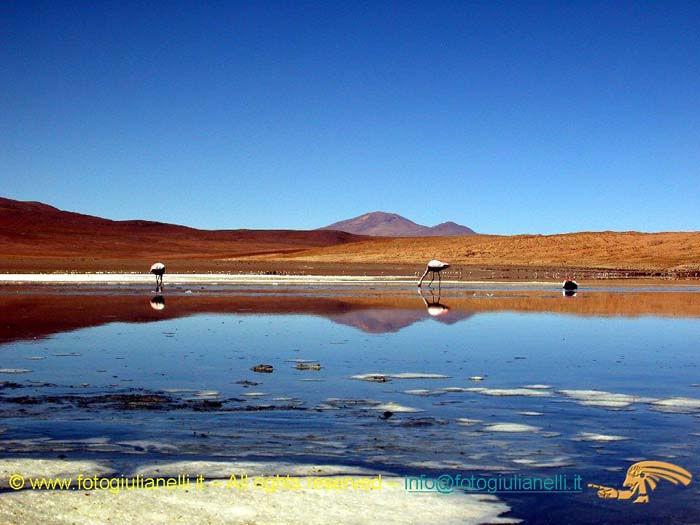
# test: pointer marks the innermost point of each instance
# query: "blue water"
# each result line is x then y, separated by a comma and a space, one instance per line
650, 357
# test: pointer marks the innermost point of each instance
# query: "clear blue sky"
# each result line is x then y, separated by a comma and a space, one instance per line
508, 117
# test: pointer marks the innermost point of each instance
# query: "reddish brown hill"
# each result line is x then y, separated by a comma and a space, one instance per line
37, 237
32, 230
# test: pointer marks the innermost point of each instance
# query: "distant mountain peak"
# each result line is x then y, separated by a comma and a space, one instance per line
385, 224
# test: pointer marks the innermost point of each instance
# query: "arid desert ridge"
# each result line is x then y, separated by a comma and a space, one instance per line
38, 238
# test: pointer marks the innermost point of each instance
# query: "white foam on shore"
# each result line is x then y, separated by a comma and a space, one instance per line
47, 468
224, 469
230, 278
387, 504
205, 278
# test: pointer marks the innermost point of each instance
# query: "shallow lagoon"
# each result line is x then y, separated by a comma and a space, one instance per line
526, 381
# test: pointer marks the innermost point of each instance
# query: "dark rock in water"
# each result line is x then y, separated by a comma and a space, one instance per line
308, 366
22, 400
422, 422
207, 404
377, 379
386, 415
262, 369
245, 382
9, 384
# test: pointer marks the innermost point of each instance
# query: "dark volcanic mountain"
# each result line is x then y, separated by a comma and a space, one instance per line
383, 224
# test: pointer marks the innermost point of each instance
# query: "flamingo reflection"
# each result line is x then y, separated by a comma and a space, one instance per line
433, 306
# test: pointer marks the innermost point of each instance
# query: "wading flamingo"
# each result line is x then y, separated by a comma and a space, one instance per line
435, 267
158, 269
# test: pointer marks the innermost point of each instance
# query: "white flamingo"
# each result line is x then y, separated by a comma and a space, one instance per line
435, 267
158, 269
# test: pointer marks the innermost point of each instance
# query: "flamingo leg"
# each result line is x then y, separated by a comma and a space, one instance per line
422, 277
432, 278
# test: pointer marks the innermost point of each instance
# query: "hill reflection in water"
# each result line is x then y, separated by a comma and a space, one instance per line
41, 312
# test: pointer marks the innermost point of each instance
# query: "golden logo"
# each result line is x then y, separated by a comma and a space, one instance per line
642, 478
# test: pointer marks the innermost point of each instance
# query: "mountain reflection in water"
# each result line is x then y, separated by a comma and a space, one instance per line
39, 313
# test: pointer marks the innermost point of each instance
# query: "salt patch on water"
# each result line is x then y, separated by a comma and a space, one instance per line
467, 422
509, 392
14, 370
395, 407
402, 375
207, 393
423, 392
603, 399
592, 436
510, 427
417, 375
455, 465
676, 404
149, 446
555, 462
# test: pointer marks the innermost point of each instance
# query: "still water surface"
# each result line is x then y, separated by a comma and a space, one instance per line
478, 381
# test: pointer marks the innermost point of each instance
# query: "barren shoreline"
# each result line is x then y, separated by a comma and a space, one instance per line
223, 278
107, 278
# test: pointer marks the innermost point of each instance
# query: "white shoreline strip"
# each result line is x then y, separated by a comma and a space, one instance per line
225, 278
